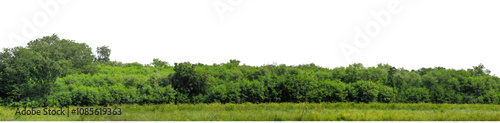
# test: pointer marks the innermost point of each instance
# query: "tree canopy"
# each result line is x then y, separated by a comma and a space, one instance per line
30, 71
103, 54
58, 72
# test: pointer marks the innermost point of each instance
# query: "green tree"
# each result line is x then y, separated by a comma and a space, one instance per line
188, 81
158, 63
354, 73
367, 91
30, 71
417, 95
386, 94
103, 54
479, 70
78, 55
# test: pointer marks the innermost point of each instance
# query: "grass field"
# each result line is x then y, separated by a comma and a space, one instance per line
281, 112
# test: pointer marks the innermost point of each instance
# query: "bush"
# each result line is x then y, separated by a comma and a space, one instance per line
253, 91
333, 91
188, 81
416, 95
60, 99
386, 94
160, 79
367, 91
234, 83
217, 94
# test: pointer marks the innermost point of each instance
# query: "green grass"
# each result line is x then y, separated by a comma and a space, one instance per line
283, 112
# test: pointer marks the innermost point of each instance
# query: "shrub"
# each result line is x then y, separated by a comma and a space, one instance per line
386, 94
367, 91
188, 81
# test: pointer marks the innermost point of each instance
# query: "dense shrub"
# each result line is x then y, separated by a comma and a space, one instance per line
253, 91
367, 91
233, 83
333, 91
51, 71
416, 95
189, 81
386, 94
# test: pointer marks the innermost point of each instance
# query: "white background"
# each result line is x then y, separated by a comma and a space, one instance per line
454, 34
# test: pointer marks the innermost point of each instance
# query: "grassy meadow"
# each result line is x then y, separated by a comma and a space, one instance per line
281, 112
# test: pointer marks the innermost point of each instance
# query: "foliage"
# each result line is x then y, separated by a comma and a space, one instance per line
189, 81
158, 63
30, 72
60, 72
103, 54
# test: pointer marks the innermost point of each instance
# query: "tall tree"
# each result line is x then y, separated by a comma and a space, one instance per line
30, 71
103, 54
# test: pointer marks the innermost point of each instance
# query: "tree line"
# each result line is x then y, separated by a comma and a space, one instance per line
60, 72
